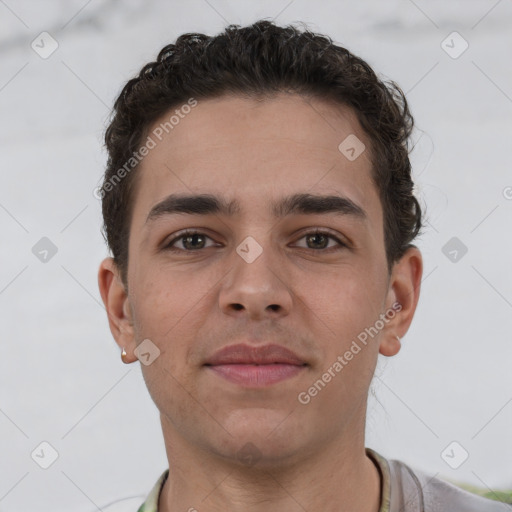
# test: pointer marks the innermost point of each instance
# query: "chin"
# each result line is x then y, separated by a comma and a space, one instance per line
263, 435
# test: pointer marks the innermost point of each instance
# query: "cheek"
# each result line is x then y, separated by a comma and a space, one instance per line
345, 301
158, 314
172, 307
168, 316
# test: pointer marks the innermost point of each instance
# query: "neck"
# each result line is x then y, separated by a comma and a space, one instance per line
339, 477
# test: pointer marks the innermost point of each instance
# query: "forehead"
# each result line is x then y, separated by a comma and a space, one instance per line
253, 150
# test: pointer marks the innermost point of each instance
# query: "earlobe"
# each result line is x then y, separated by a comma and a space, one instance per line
116, 301
390, 345
404, 290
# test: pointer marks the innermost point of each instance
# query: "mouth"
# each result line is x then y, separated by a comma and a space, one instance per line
257, 375
256, 365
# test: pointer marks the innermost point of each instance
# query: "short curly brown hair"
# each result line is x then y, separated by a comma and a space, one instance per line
261, 60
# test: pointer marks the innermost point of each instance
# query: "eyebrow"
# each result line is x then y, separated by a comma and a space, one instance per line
208, 204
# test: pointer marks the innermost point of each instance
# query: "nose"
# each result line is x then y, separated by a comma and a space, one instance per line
256, 289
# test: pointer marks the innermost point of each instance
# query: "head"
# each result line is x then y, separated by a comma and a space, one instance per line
294, 142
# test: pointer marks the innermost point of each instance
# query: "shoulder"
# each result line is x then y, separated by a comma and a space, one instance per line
432, 494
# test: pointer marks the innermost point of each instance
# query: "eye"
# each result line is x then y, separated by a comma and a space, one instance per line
321, 239
191, 241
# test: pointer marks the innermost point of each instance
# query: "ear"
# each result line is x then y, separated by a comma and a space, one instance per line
403, 295
117, 304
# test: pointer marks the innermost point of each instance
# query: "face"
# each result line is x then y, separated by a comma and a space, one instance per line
276, 267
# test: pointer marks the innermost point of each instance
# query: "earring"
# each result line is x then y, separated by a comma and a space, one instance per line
397, 337
123, 355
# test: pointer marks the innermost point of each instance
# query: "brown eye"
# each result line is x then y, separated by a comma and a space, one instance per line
319, 240
190, 240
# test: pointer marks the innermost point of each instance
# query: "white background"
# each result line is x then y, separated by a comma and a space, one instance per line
61, 377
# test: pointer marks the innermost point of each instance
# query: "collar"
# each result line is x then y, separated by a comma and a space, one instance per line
151, 503
385, 480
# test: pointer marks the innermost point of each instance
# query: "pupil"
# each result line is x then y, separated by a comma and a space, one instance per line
191, 237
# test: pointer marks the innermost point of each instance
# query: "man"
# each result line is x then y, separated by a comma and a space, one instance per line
259, 206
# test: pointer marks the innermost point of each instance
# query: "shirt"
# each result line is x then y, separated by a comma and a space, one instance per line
402, 490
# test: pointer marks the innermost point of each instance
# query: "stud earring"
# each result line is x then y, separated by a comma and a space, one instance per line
123, 355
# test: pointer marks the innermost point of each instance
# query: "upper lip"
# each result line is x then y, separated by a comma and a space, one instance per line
250, 354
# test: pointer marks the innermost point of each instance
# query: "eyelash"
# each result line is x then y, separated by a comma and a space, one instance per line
184, 234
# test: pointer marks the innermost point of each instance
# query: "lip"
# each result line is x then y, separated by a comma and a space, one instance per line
256, 376
250, 354
256, 366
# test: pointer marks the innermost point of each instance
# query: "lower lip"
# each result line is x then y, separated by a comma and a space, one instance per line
257, 375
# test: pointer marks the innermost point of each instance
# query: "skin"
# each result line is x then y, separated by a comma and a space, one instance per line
300, 293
